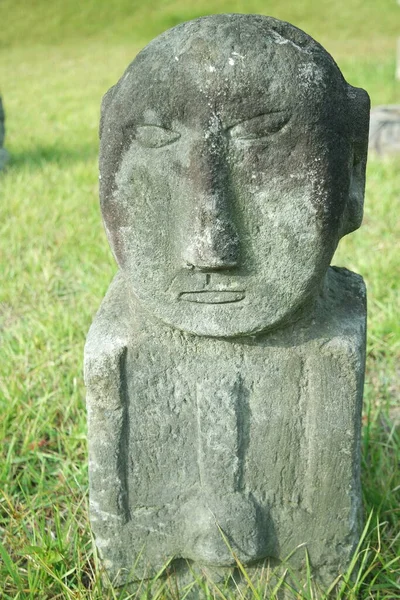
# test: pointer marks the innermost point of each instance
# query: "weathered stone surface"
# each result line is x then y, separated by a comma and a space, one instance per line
224, 369
384, 132
3, 151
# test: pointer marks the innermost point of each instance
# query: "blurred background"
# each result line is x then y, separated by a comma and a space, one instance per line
57, 59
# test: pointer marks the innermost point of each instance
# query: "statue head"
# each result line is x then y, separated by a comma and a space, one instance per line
232, 160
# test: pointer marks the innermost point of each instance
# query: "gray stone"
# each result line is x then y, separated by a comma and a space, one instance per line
224, 369
3, 151
384, 132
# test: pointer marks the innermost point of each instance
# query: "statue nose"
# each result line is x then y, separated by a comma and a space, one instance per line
211, 239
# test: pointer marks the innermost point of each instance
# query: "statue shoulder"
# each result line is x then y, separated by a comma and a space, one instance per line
344, 316
348, 292
109, 335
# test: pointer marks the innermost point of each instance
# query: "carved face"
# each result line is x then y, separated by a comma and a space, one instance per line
234, 165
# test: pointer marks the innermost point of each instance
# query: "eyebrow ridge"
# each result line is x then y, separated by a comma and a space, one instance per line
263, 114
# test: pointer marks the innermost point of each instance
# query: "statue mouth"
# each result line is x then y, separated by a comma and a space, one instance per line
213, 296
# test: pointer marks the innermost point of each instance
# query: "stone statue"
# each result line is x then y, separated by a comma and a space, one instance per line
224, 369
3, 151
384, 131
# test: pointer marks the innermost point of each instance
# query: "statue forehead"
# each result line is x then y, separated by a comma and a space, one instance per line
210, 38
231, 59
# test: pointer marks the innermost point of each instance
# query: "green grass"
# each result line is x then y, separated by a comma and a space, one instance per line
56, 60
366, 24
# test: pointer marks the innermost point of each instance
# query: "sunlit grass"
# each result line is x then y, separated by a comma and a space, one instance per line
56, 267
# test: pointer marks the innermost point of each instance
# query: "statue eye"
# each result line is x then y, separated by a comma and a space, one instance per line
153, 136
259, 127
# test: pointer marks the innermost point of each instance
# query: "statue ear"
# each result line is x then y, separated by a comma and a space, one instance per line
359, 125
105, 104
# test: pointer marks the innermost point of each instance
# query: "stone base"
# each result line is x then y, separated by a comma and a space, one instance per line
211, 450
267, 578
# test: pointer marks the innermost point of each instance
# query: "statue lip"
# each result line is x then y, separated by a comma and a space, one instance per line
213, 296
